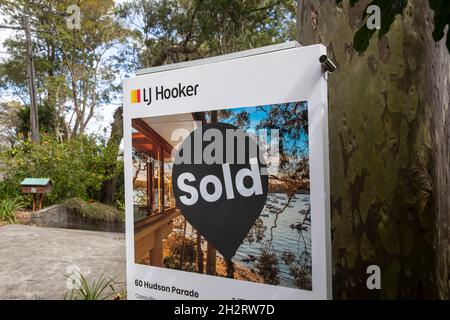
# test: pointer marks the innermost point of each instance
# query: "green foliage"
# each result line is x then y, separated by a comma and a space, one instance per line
76, 167
441, 19
95, 210
389, 10
48, 119
8, 207
120, 204
8, 189
175, 31
75, 69
10, 201
83, 290
9, 120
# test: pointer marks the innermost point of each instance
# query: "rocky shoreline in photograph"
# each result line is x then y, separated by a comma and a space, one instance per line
241, 272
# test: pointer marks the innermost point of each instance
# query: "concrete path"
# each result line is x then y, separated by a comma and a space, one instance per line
34, 260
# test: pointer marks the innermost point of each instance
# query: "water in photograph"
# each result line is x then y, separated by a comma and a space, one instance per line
284, 237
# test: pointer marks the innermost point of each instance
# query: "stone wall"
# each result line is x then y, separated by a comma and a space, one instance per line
59, 216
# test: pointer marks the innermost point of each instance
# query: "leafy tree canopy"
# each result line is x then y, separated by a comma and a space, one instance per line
75, 69
174, 31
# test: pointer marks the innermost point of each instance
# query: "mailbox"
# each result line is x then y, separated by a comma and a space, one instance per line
37, 186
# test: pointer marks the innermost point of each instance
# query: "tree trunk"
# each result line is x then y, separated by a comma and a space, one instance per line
389, 151
230, 269
109, 186
34, 118
109, 190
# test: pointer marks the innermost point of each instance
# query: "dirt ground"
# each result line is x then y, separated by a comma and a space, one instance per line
35, 260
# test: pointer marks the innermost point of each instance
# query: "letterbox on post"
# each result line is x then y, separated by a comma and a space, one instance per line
37, 186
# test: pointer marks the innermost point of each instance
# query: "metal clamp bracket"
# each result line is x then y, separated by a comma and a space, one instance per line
327, 64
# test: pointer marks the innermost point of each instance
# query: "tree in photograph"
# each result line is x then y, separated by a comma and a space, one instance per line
292, 176
267, 265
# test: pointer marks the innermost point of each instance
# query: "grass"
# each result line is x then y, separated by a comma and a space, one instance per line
100, 289
8, 209
95, 210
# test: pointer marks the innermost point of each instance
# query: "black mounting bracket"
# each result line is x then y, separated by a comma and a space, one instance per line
327, 64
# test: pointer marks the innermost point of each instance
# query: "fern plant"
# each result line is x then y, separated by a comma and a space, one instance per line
8, 207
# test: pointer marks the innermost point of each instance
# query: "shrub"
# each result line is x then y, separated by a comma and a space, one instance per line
8, 207
8, 190
100, 289
77, 167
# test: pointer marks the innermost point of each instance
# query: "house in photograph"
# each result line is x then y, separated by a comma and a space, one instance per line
153, 199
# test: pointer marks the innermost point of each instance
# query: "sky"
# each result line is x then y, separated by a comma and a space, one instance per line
256, 116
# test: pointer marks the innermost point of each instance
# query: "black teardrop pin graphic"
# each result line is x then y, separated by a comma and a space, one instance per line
220, 184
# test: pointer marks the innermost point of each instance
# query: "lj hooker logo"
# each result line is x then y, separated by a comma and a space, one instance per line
141, 95
163, 93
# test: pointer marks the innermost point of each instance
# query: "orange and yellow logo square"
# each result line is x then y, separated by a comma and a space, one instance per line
135, 96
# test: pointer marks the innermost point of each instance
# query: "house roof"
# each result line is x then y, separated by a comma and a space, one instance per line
35, 182
162, 128
165, 126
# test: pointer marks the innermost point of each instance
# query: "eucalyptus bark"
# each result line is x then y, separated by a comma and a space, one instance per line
389, 151
34, 118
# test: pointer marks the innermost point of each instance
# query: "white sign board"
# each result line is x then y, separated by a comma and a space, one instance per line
256, 228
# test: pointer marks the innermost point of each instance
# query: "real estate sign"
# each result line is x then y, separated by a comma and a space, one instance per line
226, 178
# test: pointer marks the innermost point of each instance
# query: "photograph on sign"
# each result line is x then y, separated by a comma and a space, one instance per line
236, 184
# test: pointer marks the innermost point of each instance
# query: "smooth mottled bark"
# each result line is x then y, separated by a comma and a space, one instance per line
389, 151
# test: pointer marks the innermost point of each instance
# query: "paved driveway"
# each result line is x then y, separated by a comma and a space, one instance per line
34, 260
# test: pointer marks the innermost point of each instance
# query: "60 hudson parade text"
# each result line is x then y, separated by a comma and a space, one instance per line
220, 309
163, 288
